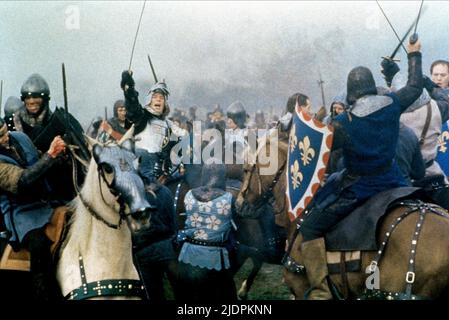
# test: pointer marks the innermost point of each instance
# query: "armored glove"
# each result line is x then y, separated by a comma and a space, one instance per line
389, 70
127, 80
429, 84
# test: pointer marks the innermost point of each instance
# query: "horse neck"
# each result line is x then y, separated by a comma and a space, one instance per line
106, 252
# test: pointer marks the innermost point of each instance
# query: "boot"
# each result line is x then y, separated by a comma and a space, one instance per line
314, 257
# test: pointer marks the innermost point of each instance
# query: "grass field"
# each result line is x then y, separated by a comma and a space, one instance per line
268, 284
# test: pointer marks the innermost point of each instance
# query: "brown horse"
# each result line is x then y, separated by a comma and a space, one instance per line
404, 264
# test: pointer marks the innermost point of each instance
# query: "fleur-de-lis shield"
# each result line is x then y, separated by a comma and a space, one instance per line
310, 144
443, 149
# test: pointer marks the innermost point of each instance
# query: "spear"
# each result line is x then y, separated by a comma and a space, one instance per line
66, 107
320, 84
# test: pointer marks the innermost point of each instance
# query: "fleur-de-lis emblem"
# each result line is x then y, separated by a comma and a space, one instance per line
442, 141
293, 138
307, 153
296, 175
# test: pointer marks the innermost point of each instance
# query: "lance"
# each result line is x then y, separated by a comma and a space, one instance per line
414, 36
1, 95
68, 130
152, 69
135, 37
320, 84
66, 106
106, 113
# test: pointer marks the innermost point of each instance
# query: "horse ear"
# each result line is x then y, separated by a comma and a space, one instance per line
91, 142
128, 135
97, 149
128, 145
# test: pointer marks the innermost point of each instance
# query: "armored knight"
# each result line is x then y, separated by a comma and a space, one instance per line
155, 135
35, 115
12, 106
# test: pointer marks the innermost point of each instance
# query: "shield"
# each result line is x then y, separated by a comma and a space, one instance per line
310, 144
443, 149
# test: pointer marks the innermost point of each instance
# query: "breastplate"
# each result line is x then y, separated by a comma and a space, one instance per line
154, 137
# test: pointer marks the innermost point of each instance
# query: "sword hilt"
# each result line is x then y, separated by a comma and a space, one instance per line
391, 59
413, 38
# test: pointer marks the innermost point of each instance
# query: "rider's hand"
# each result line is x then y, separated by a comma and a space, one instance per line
428, 84
389, 69
105, 126
127, 80
57, 147
414, 47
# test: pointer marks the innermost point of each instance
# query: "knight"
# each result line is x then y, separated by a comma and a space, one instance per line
27, 204
368, 133
12, 106
42, 125
155, 135
35, 115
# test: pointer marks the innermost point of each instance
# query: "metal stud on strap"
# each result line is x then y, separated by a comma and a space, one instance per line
373, 266
410, 277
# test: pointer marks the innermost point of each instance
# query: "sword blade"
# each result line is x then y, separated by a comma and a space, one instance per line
152, 69
135, 37
406, 34
391, 26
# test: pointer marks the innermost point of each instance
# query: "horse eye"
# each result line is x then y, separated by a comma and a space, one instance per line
107, 168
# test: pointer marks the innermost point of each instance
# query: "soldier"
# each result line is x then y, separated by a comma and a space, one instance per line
155, 135
12, 105
425, 116
26, 203
41, 125
297, 99
260, 122
35, 115
439, 71
204, 264
236, 133
154, 251
368, 155
117, 126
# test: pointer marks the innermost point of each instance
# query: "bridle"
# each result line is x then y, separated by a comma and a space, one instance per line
263, 196
92, 211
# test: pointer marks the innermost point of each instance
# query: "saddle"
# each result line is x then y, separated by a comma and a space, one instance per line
55, 231
357, 231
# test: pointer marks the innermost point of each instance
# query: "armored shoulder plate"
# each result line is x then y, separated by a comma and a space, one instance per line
369, 104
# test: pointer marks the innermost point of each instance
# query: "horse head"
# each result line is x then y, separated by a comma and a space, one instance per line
120, 185
259, 187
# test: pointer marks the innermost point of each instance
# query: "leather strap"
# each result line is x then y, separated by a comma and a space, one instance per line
110, 287
426, 124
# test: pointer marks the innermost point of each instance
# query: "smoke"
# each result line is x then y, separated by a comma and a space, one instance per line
208, 52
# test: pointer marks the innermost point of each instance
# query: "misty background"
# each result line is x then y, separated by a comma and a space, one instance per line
207, 52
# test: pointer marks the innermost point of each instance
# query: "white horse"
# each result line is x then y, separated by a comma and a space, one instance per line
96, 256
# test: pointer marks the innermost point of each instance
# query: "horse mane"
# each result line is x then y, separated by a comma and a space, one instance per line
81, 220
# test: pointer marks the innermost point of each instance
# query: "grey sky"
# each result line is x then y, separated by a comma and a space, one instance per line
208, 52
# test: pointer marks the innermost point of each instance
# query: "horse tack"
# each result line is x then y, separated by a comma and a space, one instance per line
414, 206
101, 288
